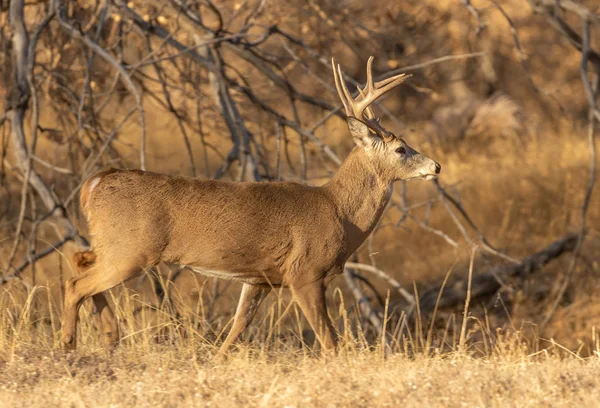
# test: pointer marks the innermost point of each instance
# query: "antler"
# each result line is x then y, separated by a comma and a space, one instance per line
361, 105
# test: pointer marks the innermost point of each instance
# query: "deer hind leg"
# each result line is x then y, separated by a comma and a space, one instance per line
250, 299
311, 299
110, 329
92, 283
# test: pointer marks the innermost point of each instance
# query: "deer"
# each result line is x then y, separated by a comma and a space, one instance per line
265, 235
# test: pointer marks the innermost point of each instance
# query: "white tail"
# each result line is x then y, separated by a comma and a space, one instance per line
262, 234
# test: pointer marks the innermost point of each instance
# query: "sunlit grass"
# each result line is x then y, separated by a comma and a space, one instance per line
166, 359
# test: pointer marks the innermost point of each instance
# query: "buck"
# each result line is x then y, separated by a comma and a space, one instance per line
265, 235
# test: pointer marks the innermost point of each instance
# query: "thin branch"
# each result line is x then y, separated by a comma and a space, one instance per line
362, 301
124, 75
475, 13
487, 284
380, 273
592, 95
34, 257
463, 329
24, 60
483, 240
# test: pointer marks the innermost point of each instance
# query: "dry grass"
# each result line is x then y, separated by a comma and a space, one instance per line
163, 361
168, 376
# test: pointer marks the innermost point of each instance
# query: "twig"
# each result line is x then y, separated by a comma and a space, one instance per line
24, 59
34, 258
363, 302
484, 244
51, 166
463, 329
435, 231
167, 96
378, 272
517, 42
475, 13
434, 61
278, 150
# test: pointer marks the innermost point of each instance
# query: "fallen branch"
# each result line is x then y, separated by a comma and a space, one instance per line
487, 284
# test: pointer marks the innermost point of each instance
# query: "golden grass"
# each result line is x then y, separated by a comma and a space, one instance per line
167, 376
167, 361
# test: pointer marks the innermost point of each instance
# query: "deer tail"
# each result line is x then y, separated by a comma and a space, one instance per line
84, 260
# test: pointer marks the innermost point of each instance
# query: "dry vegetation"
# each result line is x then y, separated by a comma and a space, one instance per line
157, 366
508, 123
167, 377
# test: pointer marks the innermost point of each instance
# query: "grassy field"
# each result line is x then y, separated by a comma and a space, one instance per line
172, 376
167, 362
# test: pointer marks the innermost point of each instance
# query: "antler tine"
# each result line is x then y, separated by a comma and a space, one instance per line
341, 87
368, 110
367, 95
369, 84
368, 87
386, 81
373, 91
387, 84
351, 109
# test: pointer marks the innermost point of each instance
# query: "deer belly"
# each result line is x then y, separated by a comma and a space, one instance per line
253, 278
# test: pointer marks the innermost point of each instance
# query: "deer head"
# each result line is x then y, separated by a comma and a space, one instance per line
391, 156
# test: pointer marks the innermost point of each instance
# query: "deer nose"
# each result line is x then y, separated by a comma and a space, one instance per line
438, 168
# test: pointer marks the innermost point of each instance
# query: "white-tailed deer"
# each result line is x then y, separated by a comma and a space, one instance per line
262, 234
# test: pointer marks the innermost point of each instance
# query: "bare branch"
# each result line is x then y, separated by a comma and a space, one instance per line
34, 257
363, 302
487, 284
592, 96
383, 275
124, 75
475, 13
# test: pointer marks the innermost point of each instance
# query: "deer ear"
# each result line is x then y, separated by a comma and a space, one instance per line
357, 127
360, 133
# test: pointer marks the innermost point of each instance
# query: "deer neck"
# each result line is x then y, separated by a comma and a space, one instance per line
361, 194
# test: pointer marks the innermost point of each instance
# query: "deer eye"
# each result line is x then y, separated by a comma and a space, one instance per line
401, 150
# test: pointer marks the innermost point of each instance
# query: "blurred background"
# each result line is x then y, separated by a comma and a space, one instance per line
242, 90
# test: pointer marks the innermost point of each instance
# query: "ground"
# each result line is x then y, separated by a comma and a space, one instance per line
168, 376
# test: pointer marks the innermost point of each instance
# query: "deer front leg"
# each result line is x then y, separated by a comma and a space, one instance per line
311, 299
250, 299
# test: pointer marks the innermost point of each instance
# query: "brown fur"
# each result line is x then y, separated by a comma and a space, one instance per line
262, 234
84, 260
84, 194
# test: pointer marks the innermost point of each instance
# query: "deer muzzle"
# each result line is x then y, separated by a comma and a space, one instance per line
430, 169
